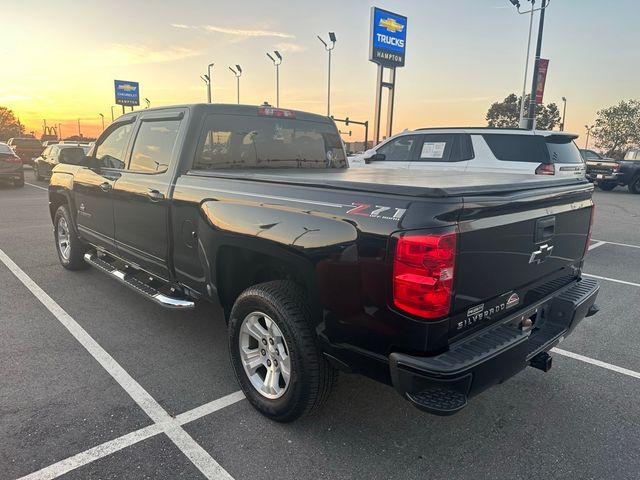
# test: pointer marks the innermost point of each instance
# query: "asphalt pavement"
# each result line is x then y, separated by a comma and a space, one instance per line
98, 382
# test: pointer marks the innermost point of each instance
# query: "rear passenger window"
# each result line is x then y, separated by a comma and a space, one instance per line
399, 149
453, 147
245, 141
154, 146
518, 148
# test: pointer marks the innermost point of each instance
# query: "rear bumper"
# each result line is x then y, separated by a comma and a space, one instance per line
442, 384
603, 177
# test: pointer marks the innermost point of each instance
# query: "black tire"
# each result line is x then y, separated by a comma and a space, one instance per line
634, 185
19, 183
311, 376
73, 258
36, 171
607, 186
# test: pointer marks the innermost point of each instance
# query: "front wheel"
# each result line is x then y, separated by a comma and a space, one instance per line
634, 185
274, 354
70, 248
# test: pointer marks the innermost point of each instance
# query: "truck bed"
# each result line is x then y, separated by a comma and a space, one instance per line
402, 181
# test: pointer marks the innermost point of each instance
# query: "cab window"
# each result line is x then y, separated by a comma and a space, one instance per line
110, 153
154, 146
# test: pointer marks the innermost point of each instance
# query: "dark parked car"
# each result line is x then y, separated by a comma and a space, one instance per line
441, 285
10, 166
26, 148
51, 156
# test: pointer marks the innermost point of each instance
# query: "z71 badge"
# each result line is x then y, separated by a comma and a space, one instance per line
377, 211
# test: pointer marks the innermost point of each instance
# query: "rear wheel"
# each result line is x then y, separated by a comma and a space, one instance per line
607, 186
634, 185
19, 183
70, 248
274, 354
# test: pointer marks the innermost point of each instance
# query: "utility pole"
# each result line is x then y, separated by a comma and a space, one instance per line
332, 39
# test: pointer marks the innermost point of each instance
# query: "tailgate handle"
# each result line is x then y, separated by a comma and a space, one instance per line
545, 229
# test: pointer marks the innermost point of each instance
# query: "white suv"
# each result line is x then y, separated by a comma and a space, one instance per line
478, 149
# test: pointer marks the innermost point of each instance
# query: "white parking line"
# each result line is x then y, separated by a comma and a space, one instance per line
117, 444
593, 361
596, 245
36, 186
624, 282
198, 455
616, 243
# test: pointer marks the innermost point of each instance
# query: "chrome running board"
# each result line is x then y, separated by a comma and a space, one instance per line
142, 288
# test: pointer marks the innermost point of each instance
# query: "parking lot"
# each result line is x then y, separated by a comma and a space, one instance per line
97, 382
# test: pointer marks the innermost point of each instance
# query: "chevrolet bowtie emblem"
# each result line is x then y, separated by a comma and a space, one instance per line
391, 25
541, 254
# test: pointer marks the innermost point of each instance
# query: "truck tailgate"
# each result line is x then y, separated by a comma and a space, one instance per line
511, 245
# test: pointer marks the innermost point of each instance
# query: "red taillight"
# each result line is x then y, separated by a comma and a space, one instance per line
546, 169
586, 247
423, 270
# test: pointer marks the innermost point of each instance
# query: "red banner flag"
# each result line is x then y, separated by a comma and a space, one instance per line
543, 66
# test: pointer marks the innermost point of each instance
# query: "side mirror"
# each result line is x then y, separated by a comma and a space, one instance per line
373, 156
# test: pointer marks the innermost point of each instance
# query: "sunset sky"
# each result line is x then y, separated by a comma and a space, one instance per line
58, 59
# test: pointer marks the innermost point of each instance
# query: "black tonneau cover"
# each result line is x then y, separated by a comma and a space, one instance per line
402, 181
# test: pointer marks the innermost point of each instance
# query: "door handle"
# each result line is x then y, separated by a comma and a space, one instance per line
154, 195
106, 187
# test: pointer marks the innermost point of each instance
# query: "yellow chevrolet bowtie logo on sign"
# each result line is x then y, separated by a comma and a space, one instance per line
391, 25
126, 87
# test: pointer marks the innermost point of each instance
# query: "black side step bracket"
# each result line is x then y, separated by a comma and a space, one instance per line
167, 301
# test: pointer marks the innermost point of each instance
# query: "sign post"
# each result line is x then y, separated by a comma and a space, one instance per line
387, 46
127, 93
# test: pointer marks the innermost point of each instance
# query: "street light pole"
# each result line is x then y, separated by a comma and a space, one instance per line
79, 134
526, 65
531, 121
209, 82
564, 111
112, 112
148, 102
238, 74
277, 65
589, 128
332, 39
102, 117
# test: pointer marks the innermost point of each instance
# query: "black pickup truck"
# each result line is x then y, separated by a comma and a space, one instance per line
440, 285
608, 173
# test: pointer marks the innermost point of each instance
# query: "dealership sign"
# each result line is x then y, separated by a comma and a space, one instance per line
543, 66
127, 93
388, 38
